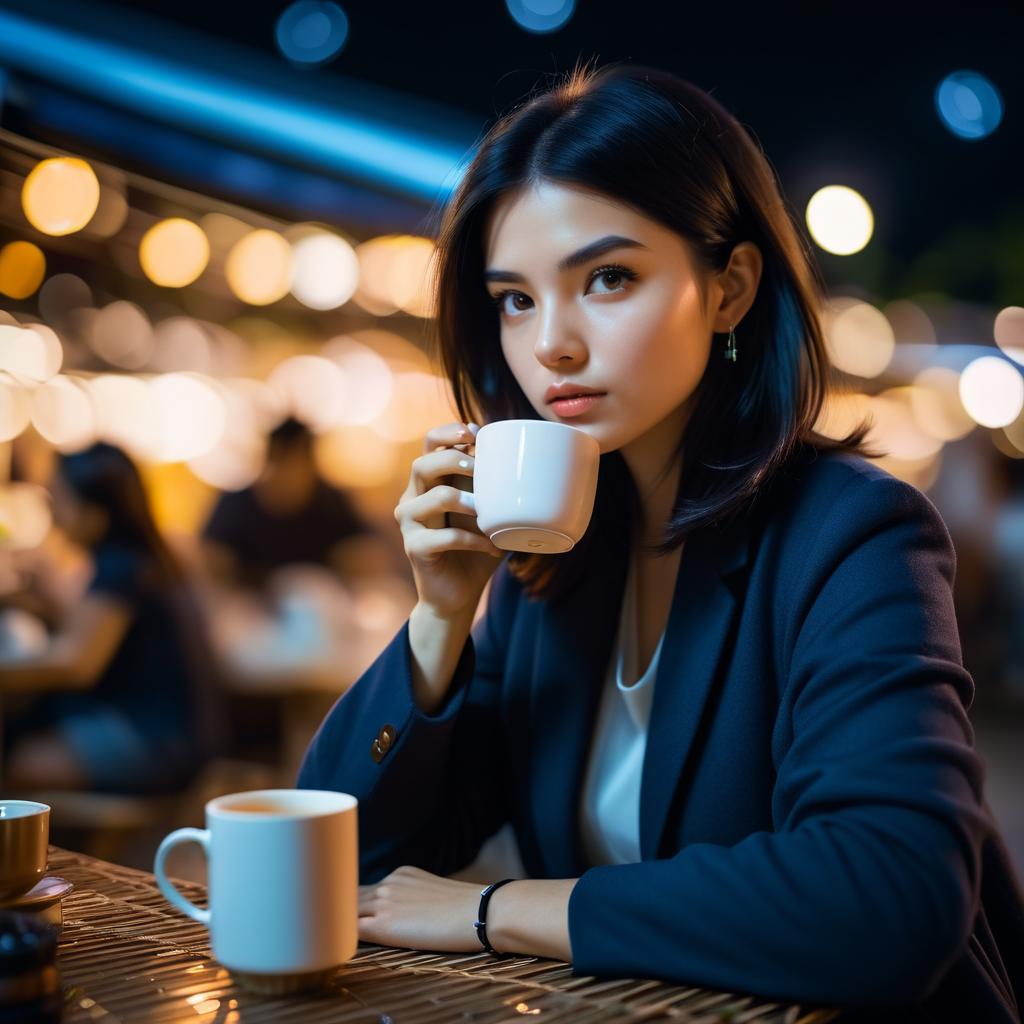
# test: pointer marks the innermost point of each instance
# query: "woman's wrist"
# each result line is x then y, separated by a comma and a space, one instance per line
480, 924
436, 643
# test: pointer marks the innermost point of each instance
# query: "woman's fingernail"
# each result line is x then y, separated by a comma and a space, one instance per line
474, 428
467, 500
463, 463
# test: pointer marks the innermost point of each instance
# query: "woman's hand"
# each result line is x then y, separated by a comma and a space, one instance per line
450, 565
414, 909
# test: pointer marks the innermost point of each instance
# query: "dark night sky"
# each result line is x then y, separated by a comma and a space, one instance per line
836, 93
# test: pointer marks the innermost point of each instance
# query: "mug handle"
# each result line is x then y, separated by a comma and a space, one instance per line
181, 835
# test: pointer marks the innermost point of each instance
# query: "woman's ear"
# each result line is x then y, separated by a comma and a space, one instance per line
738, 284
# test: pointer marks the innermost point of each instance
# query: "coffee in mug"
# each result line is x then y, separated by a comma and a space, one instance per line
24, 841
283, 884
534, 484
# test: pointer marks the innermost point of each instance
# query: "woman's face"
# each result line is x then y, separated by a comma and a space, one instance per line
626, 321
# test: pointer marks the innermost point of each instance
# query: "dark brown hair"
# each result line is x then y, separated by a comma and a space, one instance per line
663, 146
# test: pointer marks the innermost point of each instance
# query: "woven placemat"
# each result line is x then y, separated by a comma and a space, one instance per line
125, 955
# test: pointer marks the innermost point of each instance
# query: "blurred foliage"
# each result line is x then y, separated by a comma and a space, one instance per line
974, 262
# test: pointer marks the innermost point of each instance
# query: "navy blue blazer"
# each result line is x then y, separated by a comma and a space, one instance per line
812, 819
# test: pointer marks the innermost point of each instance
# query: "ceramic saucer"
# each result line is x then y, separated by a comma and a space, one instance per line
44, 899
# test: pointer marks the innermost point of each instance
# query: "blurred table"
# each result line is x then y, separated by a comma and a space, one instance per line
307, 647
126, 955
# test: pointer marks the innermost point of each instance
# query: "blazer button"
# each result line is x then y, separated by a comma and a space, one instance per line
375, 752
386, 737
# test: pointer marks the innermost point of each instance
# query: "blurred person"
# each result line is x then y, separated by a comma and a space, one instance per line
728, 731
291, 516
124, 695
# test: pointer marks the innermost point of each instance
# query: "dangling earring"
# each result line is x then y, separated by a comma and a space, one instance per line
730, 349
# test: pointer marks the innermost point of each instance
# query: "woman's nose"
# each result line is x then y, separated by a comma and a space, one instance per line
557, 340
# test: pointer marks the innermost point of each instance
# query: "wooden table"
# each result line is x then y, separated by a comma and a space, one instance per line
125, 955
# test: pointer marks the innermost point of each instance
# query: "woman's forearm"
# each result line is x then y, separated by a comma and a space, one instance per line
436, 645
531, 916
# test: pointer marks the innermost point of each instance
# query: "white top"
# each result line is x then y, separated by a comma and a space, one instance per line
609, 809
609, 813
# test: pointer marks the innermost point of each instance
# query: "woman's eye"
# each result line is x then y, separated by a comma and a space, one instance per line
499, 301
618, 276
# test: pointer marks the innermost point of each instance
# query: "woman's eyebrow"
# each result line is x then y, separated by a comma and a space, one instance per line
575, 259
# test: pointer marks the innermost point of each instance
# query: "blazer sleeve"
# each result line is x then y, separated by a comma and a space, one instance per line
866, 889
439, 791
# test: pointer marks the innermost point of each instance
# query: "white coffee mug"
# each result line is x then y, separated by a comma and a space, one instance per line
283, 879
534, 484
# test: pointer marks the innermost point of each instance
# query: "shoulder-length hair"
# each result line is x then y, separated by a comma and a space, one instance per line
663, 146
105, 476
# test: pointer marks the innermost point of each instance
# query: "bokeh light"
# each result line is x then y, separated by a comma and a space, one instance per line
1008, 331
1014, 434
419, 401
368, 380
896, 430
25, 515
375, 258
936, 405
395, 274
125, 413
910, 323
120, 334
859, 338
22, 269
111, 213
192, 416
992, 391
181, 343
62, 413
325, 270
311, 32
969, 104
60, 195
356, 457
312, 388
28, 355
60, 295
15, 410
409, 275
840, 220
238, 459
259, 267
541, 16
174, 252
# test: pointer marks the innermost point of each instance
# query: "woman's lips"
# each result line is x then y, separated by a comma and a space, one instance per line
568, 407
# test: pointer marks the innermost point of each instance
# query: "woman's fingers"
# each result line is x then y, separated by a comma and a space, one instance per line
427, 470
426, 544
449, 435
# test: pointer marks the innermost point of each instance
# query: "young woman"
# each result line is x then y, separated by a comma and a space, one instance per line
795, 809
125, 695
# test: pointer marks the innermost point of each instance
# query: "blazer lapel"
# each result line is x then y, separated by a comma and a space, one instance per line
703, 610
574, 644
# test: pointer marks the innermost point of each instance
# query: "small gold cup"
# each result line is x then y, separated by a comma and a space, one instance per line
24, 838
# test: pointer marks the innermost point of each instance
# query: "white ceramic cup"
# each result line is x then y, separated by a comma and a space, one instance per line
534, 484
283, 879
